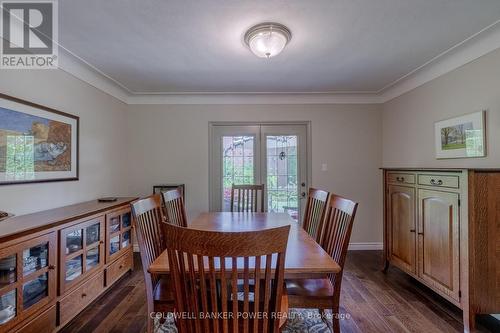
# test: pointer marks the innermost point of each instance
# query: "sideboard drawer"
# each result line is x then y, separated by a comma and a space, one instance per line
77, 300
44, 323
119, 267
439, 180
402, 178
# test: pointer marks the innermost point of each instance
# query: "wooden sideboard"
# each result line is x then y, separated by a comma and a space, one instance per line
442, 227
55, 263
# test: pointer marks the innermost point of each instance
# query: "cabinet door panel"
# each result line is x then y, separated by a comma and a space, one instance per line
401, 214
28, 279
439, 240
81, 252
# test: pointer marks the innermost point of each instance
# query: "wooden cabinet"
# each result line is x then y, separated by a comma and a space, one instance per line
456, 213
53, 264
439, 241
401, 221
27, 279
81, 251
118, 233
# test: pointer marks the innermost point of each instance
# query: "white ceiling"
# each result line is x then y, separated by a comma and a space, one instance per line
177, 46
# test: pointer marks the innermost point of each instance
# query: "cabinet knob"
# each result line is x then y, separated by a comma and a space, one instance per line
438, 182
101, 242
120, 267
51, 267
84, 295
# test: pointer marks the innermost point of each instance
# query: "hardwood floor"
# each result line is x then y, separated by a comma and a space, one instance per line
376, 302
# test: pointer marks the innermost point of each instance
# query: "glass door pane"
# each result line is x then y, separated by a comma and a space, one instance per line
284, 164
8, 268
35, 258
92, 258
282, 181
35, 290
74, 267
237, 164
8, 303
114, 244
74, 241
92, 234
114, 225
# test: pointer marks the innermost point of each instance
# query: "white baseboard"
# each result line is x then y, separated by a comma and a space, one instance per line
365, 246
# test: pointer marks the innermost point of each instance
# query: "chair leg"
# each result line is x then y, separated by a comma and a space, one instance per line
335, 321
335, 312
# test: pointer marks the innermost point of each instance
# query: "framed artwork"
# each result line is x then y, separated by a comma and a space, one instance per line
37, 143
461, 137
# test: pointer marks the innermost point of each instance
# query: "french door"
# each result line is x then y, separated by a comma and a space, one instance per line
274, 155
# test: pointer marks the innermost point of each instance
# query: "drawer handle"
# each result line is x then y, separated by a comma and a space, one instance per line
421, 233
51, 267
101, 242
84, 295
412, 230
400, 179
437, 183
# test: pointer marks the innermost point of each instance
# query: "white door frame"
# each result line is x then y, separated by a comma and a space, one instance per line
211, 158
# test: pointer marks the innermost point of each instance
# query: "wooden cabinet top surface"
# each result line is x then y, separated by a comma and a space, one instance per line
23, 224
441, 169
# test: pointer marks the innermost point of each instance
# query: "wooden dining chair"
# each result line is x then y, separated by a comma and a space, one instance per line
315, 213
150, 231
175, 213
228, 257
246, 198
325, 293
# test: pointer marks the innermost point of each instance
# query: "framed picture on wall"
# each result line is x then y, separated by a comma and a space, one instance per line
37, 143
461, 137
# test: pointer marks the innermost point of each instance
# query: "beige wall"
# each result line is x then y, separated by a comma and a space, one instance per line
169, 143
102, 133
408, 121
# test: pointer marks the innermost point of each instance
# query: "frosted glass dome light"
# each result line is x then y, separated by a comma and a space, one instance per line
266, 40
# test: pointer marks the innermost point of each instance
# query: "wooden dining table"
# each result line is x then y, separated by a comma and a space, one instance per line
304, 257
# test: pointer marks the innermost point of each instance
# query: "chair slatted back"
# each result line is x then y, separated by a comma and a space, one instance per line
315, 213
149, 227
246, 198
229, 260
175, 213
337, 232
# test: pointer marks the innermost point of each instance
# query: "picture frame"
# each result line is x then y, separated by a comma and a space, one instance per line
37, 143
461, 137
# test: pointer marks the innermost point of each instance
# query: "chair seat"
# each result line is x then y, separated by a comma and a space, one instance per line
163, 292
318, 288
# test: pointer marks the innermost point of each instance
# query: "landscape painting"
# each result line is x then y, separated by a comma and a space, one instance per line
36, 143
461, 137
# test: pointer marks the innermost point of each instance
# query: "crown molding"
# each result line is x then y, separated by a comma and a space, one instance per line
86, 72
477, 45
474, 47
256, 98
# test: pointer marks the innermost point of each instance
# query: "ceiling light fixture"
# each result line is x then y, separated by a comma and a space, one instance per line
266, 40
